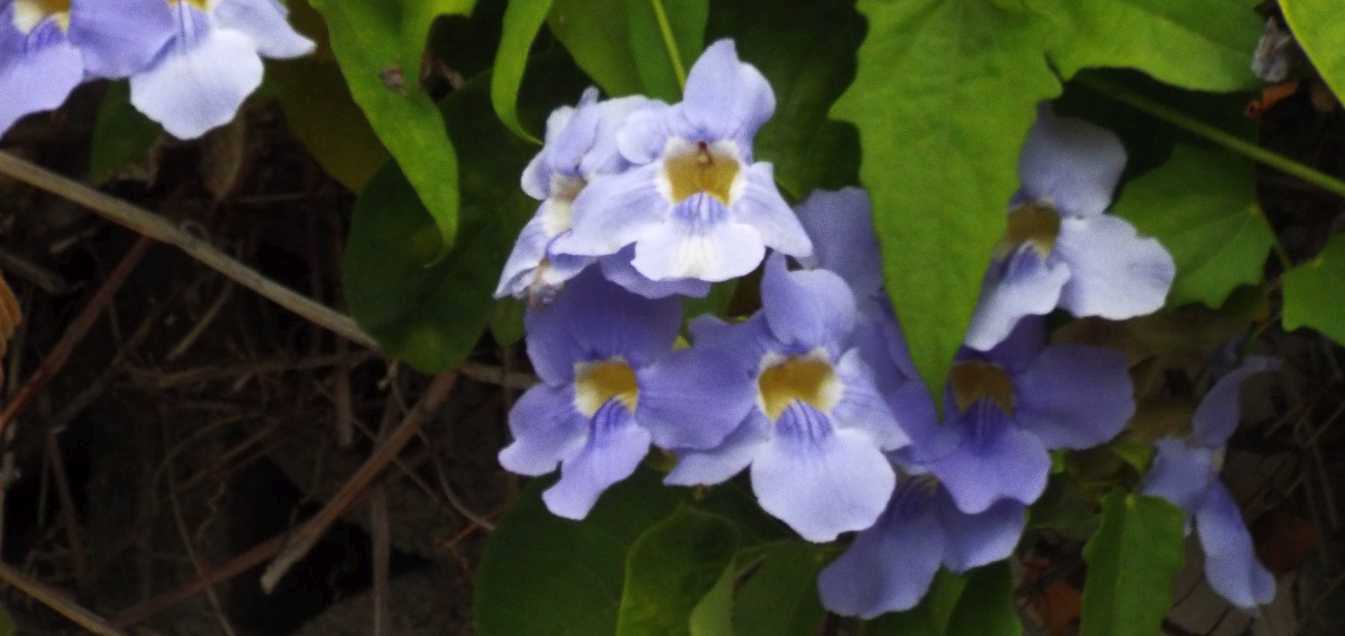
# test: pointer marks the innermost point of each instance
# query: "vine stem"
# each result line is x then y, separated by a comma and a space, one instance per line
669, 42
1220, 137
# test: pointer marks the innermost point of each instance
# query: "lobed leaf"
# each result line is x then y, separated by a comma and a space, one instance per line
670, 569
1313, 292
1132, 560
1319, 31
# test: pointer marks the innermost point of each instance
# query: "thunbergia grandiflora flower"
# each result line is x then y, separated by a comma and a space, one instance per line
212, 62
1186, 472
813, 426
1061, 249
1006, 408
580, 146
694, 205
889, 567
611, 386
48, 47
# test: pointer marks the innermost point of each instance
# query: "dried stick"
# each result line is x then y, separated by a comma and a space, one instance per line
58, 601
307, 535
160, 229
51, 365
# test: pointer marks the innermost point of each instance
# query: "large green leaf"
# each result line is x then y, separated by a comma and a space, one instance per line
121, 135
620, 43
1198, 44
1320, 32
986, 605
931, 616
320, 112
541, 574
779, 597
1132, 560
670, 568
713, 615
379, 46
1315, 291
1202, 206
522, 20
943, 98
808, 68
432, 316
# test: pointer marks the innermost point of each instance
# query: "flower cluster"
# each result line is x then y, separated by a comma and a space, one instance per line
814, 395
191, 63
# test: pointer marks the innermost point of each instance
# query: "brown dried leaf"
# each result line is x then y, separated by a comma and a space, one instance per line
10, 316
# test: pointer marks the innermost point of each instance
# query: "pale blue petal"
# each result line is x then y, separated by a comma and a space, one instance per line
566, 148
643, 135
605, 156
761, 206
719, 464
616, 210
1016, 353
120, 37
1022, 285
981, 539
618, 269
994, 461
1180, 473
546, 428
820, 480
1071, 164
692, 399
862, 407
700, 242
840, 225
747, 342
38, 76
527, 254
1231, 566
614, 450
725, 98
1114, 273
1074, 396
807, 309
264, 22
1221, 410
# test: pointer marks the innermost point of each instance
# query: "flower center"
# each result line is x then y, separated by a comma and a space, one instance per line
596, 383
810, 380
693, 169
203, 5
30, 13
1037, 224
974, 380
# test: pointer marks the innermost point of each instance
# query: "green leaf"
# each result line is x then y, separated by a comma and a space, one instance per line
670, 568
506, 323
620, 43
657, 65
1313, 292
780, 596
121, 135
320, 112
1317, 28
1198, 44
986, 605
541, 574
1132, 560
808, 68
713, 615
931, 616
1202, 207
940, 147
432, 316
379, 46
522, 20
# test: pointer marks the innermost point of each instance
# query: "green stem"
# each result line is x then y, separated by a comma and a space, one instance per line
669, 42
1229, 141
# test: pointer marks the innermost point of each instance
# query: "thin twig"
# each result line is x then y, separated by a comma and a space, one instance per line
58, 601
69, 514
181, 523
55, 360
501, 376
160, 229
380, 528
307, 535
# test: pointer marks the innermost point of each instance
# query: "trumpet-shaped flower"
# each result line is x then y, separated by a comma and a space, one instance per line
1007, 407
813, 426
580, 146
694, 205
213, 62
48, 47
611, 386
1186, 473
1060, 249
890, 566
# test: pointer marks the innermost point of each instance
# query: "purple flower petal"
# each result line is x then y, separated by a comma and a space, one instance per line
1075, 396
1023, 285
761, 206
976, 540
890, 566
1221, 410
721, 463
200, 80
618, 269
605, 156
693, 399
1071, 164
746, 342
994, 461
120, 37
1114, 273
1180, 473
725, 98
37, 72
1231, 567
643, 135
264, 22
820, 480
613, 452
547, 430
840, 225
1020, 349
807, 309
862, 407
700, 242
615, 211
